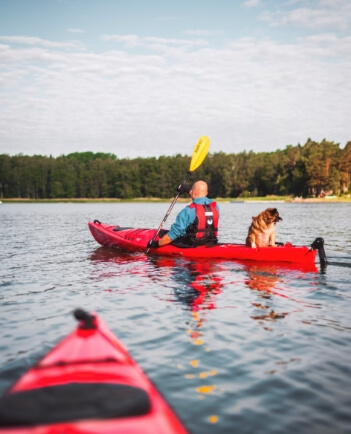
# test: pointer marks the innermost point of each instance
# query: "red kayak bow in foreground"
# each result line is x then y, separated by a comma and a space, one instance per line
87, 384
135, 240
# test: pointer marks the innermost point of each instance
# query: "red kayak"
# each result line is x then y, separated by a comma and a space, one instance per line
135, 240
87, 384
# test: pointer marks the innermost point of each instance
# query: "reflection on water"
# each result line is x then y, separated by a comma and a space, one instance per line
229, 344
196, 285
270, 281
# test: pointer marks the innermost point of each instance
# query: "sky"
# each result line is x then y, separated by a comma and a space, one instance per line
145, 78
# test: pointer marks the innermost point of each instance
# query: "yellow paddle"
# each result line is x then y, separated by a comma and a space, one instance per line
199, 154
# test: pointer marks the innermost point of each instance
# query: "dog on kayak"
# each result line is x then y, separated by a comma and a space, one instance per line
262, 229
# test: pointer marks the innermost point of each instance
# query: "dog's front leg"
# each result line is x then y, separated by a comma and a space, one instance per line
272, 240
250, 242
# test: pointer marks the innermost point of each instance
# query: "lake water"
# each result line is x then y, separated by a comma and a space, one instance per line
233, 347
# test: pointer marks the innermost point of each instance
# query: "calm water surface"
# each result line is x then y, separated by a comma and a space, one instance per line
234, 347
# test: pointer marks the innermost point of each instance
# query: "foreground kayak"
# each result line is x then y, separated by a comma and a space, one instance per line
135, 240
87, 384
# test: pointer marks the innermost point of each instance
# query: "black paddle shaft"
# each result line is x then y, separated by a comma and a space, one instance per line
169, 209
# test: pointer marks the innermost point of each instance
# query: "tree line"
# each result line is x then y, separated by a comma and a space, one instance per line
313, 169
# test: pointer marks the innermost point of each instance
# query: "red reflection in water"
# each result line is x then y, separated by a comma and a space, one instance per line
202, 277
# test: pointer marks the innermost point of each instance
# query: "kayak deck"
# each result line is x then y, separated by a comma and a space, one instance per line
87, 383
135, 240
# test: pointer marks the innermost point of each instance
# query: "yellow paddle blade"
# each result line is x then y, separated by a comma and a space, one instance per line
199, 153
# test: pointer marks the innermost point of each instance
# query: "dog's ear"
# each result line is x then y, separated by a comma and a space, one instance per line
273, 211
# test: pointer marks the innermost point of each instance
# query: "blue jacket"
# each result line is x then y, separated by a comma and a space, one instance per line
186, 217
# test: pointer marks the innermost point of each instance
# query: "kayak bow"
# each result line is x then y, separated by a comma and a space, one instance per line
87, 383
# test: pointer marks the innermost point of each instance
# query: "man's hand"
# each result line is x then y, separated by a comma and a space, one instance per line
183, 188
152, 244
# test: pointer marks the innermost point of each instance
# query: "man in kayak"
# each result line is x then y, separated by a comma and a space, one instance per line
196, 224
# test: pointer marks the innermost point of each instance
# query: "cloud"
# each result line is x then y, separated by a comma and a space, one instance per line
75, 31
33, 40
328, 14
159, 99
127, 40
152, 42
251, 3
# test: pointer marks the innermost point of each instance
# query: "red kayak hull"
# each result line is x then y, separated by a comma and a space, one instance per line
89, 357
135, 240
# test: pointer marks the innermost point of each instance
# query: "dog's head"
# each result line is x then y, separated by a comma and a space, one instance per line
271, 215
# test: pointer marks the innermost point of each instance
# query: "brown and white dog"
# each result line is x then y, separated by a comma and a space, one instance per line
262, 229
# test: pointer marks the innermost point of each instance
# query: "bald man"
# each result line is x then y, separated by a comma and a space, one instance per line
196, 224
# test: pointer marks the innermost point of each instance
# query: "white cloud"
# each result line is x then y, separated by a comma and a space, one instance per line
75, 31
153, 42
251, 3
328, 14
33, 40
249, 94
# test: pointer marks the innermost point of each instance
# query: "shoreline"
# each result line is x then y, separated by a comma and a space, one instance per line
181, 200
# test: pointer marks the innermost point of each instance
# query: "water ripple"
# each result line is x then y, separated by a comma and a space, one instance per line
233, 346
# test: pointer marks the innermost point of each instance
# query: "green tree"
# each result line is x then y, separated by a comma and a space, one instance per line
297, 170
344, 168
319, 158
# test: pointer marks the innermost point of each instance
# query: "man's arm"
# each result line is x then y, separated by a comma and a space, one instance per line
178, 229
184, 219
164, 240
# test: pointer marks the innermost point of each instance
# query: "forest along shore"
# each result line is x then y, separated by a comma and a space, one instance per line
276, 199
312, 170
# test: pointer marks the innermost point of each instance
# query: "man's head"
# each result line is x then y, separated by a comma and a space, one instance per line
199, 189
